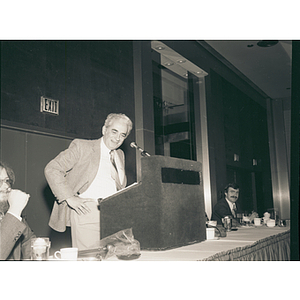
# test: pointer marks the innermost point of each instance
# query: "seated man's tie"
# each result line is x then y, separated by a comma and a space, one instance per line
234, 210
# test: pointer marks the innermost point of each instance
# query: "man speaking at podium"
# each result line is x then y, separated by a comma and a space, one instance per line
86, 171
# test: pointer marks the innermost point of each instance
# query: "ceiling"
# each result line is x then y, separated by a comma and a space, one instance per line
269, 68
175, 62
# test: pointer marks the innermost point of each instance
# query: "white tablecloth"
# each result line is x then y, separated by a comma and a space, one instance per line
253, 239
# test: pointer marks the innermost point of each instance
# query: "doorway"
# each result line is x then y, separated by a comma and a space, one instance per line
174, 111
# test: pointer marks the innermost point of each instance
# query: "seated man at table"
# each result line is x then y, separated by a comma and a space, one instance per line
15, 234
227, 206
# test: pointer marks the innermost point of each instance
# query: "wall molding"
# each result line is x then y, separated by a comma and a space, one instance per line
34, 129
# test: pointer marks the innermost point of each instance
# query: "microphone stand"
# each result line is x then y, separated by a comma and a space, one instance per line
143, 152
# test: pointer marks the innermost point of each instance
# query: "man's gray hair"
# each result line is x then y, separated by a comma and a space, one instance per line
114, 116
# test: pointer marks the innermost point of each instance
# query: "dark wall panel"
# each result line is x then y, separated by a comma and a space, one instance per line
13, 152
41, 149
89, 78
28, 155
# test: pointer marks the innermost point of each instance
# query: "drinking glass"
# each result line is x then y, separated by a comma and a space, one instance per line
40, 248
246, 219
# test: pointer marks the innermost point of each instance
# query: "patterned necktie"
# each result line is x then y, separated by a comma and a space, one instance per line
112, 159
234, 210
114, 170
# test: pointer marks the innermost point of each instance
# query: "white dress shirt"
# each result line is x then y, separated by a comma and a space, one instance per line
232, 207
103, 185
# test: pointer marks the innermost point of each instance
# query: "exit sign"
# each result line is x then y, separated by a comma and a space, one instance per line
49, 105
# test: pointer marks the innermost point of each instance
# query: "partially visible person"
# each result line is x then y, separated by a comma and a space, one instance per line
86, 171
15, 234
227, 206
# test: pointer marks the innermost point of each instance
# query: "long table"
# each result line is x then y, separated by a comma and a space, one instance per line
245, 244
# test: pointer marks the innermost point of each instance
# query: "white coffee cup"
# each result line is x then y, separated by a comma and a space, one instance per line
67, 254
210, 233
271, 223
257, 221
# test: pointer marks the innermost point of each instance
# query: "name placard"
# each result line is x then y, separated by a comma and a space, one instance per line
171, 175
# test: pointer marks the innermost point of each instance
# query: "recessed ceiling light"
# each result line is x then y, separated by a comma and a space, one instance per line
159, 48
169, 63
186, 74
181, 61
199, 72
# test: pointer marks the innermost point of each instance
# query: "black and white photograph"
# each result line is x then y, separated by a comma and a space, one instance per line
143, 160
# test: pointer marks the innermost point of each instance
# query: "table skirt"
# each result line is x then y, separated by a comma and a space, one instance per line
272, 248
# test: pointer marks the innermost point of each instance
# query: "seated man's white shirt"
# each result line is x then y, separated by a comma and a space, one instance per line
231, 205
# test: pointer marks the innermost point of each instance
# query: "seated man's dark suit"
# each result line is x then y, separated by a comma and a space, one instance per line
220, 210
15, 236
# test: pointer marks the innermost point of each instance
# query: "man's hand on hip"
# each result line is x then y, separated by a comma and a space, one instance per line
78, 204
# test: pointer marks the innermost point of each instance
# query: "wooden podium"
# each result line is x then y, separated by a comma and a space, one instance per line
165, 210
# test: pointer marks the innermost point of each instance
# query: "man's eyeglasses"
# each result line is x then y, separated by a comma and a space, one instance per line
7, 181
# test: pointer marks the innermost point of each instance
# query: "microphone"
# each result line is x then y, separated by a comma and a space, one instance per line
143, 152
